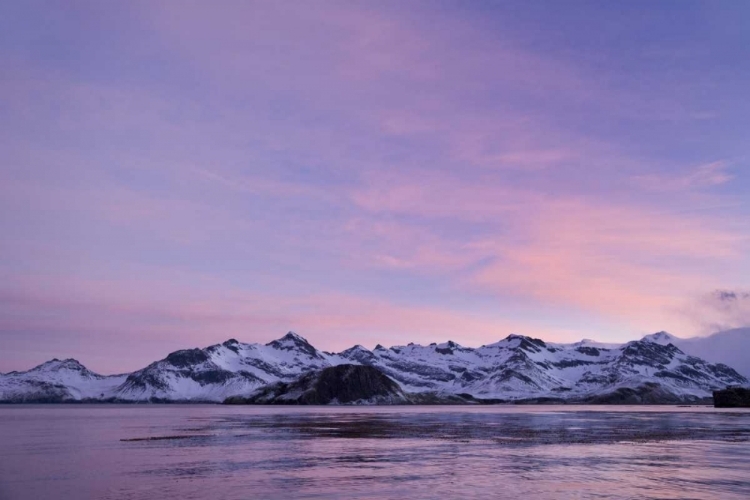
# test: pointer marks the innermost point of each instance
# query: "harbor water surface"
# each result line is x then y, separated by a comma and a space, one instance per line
250, 452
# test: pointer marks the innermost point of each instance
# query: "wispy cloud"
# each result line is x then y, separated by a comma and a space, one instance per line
603, 257
703, 176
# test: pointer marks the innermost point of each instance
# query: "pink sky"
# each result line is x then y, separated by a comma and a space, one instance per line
368, 173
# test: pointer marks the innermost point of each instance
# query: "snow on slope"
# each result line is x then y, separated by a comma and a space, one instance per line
516, 367
730, 347
521, 367
222, 370
57, 380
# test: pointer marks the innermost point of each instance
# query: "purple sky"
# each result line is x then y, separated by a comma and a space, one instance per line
178, 173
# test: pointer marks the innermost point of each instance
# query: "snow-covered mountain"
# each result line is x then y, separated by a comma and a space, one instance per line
521, 367
514, 368
731, 347
56, 381
222, 370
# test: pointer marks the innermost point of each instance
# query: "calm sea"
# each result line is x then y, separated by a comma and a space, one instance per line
530, 452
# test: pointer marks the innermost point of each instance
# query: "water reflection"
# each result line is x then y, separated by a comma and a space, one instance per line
261, 452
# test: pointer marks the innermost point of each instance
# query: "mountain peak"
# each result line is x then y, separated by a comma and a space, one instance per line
232, 345
294, 337
521, 338
56, 365
293, 342
358, 353
661, 337
289, 338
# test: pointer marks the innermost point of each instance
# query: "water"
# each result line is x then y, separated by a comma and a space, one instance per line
534, 452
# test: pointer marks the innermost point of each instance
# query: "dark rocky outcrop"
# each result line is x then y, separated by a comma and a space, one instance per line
588, 351
187, 358
527, 343
36, 391
732, 397
342, 384
647, 393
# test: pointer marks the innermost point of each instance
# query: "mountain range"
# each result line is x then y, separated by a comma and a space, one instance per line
730, 347
657, 368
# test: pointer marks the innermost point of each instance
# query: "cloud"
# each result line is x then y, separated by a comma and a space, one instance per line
730, 297
348, 171
620, 261
719, 310
700, 177
624, 261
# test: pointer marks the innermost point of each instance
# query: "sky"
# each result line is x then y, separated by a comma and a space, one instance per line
174, 174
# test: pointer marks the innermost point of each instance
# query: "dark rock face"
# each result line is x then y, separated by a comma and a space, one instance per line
42, 392
648, 393
148, 377
732, 397
343, 384
567, 363
359, 354
187, 358
152, 377
648, 354
451, 347
231, 344
588, 351
725, 371
527, 343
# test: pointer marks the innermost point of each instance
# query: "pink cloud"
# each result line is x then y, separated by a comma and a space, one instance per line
631, 262
623, 262
323, 135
